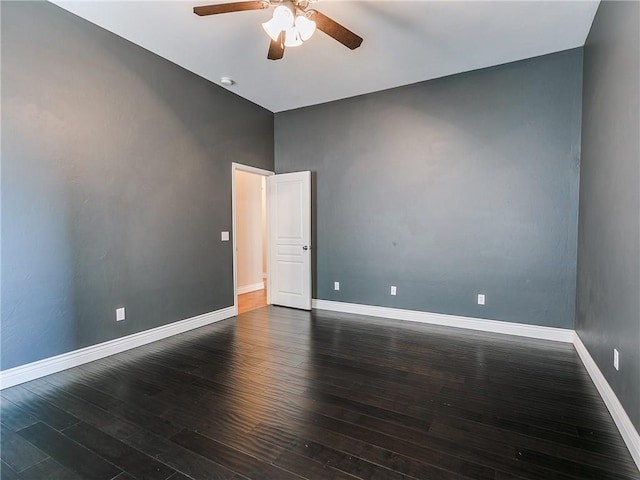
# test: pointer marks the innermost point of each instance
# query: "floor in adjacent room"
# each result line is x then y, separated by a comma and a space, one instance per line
252, 300
281, 394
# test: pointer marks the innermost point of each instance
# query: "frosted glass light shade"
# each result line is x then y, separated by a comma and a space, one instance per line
292, 37
272, 29
282, 20
305, 26
283, 16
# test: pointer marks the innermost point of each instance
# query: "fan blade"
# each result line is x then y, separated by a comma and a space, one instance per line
229, 7
335, 30
276, 48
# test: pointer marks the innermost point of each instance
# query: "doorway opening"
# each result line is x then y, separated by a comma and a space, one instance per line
250, 237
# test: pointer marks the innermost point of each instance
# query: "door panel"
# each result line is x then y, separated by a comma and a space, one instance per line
289, 199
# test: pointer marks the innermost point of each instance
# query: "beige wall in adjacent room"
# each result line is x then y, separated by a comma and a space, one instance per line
249, 226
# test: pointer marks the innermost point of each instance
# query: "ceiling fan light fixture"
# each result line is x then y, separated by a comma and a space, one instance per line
290, 25
305, 26
282, 20
283, 16
292, 37
272, 29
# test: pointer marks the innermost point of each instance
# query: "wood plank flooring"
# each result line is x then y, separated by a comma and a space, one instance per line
252, 300
284, 394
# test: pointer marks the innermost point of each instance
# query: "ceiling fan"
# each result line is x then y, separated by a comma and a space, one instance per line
291, 25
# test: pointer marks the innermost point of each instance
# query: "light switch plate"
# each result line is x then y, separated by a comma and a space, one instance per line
224, 236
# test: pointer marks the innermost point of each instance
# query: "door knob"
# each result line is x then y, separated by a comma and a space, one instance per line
306, 247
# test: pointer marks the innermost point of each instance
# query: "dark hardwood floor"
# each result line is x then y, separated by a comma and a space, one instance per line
285, 394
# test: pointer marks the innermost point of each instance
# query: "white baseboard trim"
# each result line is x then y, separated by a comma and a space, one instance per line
494, 326
41, 368
620, 417
250, 288
623, 422
47, 366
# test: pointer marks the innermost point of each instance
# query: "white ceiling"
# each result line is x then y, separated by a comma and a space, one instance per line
404, 42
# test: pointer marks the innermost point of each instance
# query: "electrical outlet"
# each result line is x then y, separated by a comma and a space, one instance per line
394, 290
481, 299
224, 236
336, 285
616, 359
120, 314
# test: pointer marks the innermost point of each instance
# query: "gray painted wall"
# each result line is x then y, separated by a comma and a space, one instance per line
608, 292
116, 184
448, 188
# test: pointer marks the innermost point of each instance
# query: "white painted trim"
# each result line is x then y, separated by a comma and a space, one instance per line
31, 371
508, 328
48, 366
623, 422
619, 415
253, 287
250, 169
288, 219
257, 171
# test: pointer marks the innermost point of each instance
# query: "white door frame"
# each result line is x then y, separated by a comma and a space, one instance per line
258, 171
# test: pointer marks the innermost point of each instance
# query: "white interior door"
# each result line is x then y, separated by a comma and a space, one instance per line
289, 201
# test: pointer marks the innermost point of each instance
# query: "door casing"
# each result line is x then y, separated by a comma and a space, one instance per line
257, 171
235, 167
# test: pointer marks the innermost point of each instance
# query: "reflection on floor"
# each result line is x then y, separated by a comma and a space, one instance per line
285, 394
252, 300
